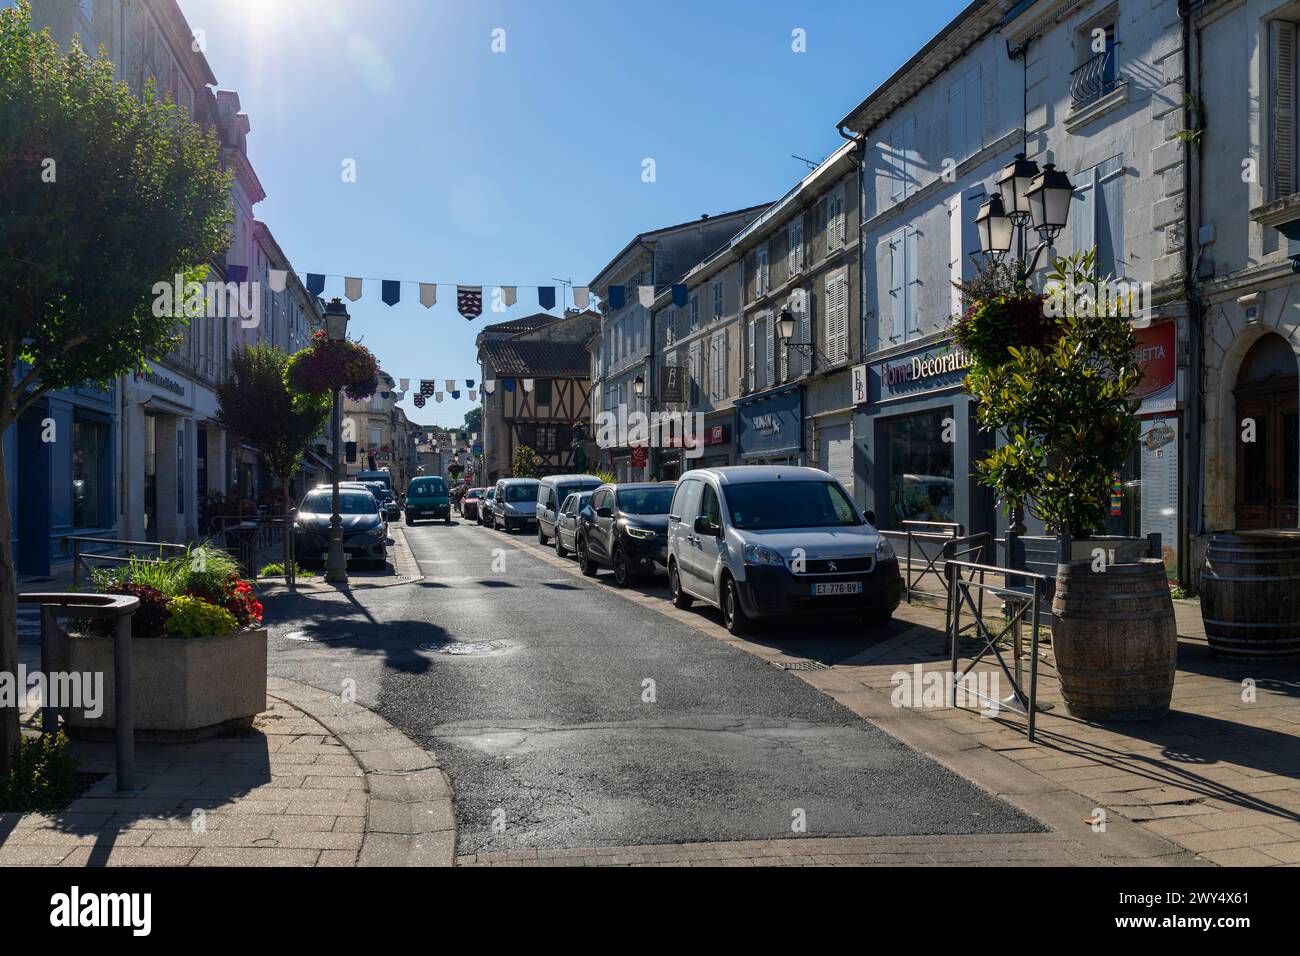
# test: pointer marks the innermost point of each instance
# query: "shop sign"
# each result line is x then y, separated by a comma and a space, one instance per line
640, 455
942, 366
713, 435
859, 384
159, 380
672, 384
1157, 356
771, 424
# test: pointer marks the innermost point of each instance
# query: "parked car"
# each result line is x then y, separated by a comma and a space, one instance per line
485, 506
515, 505
469, 505
426, 497
369, 488
624, 527
772, 542
392, 510
551, 494
566, 522
364, 532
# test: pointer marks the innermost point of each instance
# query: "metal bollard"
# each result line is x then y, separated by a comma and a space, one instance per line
124, 735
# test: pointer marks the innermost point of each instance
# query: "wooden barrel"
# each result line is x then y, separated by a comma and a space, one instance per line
1250, 595
1114, 640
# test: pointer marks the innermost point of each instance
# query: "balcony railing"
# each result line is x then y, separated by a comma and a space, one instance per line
1095, 78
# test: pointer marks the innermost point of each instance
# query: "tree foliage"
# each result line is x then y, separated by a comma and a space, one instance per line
259, 407
527, 464
1065, 411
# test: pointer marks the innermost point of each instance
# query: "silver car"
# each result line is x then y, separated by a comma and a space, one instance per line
772, 542
515, 505
566, 523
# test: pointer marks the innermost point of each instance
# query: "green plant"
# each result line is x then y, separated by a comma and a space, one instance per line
608, 477
195, 617
205, 572
43, 775
108, 196
276, 570
527, 464
1065, 411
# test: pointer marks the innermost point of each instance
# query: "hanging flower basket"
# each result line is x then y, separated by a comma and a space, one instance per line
327, 366
993, 324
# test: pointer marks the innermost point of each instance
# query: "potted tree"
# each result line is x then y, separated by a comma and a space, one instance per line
1060, 399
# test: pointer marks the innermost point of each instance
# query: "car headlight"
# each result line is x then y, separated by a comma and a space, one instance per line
642, 533
375, 533
761, 554
884, 549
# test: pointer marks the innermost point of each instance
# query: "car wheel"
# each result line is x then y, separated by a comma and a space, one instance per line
622, 576
410, 521
541, 537
733, 612
447, 520
560, 550
585, 564
680, 598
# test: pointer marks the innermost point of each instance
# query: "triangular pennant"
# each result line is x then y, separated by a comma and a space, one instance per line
645, 294
508, 295
352, 288
615, 296
528, 385
315, 283
546, 296
277, 279
679, 295
390, 291
428, 294
581, 296
469, 301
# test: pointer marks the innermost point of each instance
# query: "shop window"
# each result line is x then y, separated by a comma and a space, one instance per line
89, 441
921, 486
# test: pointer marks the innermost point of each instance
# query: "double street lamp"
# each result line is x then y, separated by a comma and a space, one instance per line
1027, 198
336, 563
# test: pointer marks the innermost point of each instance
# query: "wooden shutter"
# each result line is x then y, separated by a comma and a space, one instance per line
897, 290
1282, 112
805, 332
910, 279
769, 350
955, 250
749, 375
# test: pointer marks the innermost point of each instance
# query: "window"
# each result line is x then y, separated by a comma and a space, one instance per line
89, 441
718, 366
717, 299
1097, 218
835, 220
921, 471
709, 506
670, 326
902, 160
903, 284
1096, 74
769, 350
542, 391
794, 234
837, 318
695, 311
767, 505
696, 360
1282, 108
965, 116
751, 354
760, 272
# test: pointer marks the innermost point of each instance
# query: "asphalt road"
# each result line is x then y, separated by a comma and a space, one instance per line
590, 720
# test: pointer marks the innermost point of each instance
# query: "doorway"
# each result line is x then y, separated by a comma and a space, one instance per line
1268, 450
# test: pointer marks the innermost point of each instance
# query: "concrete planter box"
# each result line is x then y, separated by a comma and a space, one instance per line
183, 688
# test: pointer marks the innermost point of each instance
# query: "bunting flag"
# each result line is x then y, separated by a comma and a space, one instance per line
403, 383
508, 295
679, 295
450, 383
428, 294
236, 273
472, 396
419, 401
277, 279
390, 291
645, 295
581, 296
489, 385
528, 385
427, 387
546, 296
469, 383
615, 296
315, 283
469, 301
437, 396
352, 288
509, 384
455, 395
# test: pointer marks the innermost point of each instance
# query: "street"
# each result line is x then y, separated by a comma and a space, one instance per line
593, 720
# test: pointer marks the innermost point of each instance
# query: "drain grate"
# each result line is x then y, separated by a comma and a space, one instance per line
463, 648
801, 666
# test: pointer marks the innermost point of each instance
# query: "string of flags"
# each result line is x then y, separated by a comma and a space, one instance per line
428, 388
469, 298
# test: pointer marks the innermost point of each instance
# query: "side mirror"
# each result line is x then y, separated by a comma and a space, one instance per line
704, 526
606, 512
871, 517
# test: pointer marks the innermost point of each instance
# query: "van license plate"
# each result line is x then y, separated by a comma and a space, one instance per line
837, 587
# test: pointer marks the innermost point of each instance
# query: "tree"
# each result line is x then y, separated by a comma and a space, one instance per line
527, 464
104, 195
474, 420
258, 407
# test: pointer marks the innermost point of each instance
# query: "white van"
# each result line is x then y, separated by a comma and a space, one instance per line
551, 494
759, 541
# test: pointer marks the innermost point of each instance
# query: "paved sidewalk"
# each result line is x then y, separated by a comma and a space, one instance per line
318, 782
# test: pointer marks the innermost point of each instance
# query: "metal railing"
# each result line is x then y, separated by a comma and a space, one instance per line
269, 536
72, 546
117, 608
1021, 601
1094, 78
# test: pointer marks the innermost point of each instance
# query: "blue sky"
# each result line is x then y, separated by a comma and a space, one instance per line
516, 167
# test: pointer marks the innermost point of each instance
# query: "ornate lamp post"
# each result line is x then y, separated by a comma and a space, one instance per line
336, 564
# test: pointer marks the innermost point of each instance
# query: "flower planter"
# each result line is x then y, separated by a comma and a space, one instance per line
183, 688
1114, 640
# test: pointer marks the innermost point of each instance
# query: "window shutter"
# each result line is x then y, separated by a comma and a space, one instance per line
749, 375
842, 319
805, 332
1110, 218
970, 241
897, 292
1282, 115
1081, 215
955, 250
769, 353
909, 257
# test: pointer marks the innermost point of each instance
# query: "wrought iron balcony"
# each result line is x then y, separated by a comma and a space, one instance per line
1095, 78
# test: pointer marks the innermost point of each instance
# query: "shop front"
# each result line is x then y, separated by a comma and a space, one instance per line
769, 427
718, 451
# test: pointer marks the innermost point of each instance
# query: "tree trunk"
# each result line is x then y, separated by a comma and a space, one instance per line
9, 733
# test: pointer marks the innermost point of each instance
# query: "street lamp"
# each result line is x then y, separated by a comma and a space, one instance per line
638, 386
336, 563
785, 323
1030, 198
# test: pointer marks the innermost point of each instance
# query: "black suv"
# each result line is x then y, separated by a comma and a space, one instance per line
625, 527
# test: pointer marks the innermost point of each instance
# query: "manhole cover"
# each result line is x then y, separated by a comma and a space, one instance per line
464, 647
801, 666
318, 636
